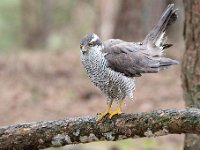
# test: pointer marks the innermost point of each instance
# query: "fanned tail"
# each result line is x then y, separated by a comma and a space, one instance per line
157, 35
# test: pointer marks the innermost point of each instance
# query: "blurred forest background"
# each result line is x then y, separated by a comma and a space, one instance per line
41, 77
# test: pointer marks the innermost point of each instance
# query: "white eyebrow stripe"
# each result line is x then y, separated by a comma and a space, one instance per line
94, 38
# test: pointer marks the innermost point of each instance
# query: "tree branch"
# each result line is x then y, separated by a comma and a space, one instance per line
84, 129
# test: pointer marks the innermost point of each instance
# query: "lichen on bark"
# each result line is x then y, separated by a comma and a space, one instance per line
191, 64
56, 133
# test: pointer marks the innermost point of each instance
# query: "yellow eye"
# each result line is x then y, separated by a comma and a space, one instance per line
81, 46
90, 44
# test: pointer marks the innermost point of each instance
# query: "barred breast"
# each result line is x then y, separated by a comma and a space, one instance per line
113, 84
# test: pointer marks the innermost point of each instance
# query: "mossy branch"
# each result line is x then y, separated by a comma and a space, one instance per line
44, 134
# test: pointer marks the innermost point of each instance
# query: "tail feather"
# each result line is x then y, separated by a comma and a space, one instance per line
157, 34
155, 41
164, 63
167, 62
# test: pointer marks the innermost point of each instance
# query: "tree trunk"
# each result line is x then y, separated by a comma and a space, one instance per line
106, 16
191, 64
136, 17
128, 25
35, 22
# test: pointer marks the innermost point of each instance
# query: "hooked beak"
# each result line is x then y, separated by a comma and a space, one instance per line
84, 49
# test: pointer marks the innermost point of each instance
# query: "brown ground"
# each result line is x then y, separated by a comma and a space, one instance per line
51, 85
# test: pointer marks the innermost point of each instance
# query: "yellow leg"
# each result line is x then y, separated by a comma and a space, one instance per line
106, 112
117, 111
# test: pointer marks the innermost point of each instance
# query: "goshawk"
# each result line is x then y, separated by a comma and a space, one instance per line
112, 65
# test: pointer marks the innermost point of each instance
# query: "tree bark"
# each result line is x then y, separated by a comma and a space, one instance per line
191, 64
106, 16
85, 129
135, 18
128, 25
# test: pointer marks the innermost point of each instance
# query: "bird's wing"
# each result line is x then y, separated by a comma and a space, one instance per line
131, 61
112, 42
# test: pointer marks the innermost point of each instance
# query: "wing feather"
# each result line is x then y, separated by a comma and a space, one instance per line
132, 62
133, 59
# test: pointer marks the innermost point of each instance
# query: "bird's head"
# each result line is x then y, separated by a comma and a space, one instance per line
90, 42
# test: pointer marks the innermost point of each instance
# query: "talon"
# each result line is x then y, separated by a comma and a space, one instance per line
105, 113
117, 111
99, 113
102, 115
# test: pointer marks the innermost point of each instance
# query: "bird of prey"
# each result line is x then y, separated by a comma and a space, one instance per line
112, 65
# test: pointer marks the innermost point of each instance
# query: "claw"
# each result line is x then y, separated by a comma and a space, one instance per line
99, 113
117, 111
105, 113
102, 115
